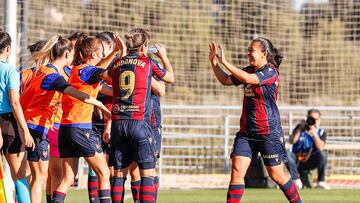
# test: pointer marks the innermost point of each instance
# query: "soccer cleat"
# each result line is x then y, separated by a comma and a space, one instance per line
322, 185
298, 183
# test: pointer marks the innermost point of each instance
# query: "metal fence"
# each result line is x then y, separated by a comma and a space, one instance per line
197, 142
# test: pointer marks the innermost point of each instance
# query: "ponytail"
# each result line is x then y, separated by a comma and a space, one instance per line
54, 48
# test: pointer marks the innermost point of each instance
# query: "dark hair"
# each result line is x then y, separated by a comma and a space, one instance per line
5, 40
107, 37
54, 48
77, 35
136, 38
36, 46
273, 55
88, 46
313, 111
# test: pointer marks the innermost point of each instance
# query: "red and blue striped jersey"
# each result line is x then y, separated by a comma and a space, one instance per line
155, 111
260, 114
131, 77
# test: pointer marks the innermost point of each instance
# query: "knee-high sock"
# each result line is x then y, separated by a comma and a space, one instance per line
58, 197
147, 190
156, 184
117, 190
93, 187
235, 193
291, 192
135, 190
22, 191
105, 196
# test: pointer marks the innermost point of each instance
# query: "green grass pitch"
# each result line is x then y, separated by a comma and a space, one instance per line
251, 196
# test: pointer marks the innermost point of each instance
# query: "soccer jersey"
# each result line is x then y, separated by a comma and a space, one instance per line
25, 78
155, 111
41, 97
76, 113
306, 143
131, 76
9, 80
260, 114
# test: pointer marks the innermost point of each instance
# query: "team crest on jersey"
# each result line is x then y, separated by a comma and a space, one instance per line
248, 91
115, 108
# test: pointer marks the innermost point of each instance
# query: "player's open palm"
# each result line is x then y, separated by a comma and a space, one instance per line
212, 53
221, 55
161, 50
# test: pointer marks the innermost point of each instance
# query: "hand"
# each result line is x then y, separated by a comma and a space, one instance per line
29, 141
212, 53
119, 44
312, 130
161, 51
221, 55
106, 135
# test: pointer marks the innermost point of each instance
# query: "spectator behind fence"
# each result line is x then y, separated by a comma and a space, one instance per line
308, 152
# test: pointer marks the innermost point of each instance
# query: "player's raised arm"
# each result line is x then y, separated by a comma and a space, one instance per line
158, 87
169, 76
222, 77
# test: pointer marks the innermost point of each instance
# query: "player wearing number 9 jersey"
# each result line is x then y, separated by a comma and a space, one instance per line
132, 138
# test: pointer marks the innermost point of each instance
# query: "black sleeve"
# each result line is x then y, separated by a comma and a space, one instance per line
59, 84
95, 76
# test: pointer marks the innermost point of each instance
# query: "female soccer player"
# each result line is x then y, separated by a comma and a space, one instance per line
260, 127
40, 100
132, 137
76, 138
13, 126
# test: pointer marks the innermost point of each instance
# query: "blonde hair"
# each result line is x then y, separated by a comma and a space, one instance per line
54, 48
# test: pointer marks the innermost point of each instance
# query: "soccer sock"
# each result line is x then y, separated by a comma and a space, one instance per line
22, 191
147, 190
58, 197
235, 193
93, 189
156, 184
111, 180
117, 190
48, 198
135, 190
105, 196
291, 192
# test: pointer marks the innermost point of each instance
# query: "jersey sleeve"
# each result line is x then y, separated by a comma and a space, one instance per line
267, 75
14, 79
90, 74
54, 81
157, 69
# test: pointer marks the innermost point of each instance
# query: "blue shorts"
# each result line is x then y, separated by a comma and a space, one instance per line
132, 140
271, 147
157, 132
75, 142
41, 150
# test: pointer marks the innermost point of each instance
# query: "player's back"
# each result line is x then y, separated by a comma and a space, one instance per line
132, 87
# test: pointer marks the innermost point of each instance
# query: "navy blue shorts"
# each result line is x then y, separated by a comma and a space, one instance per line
130, 141
77, 142
11, 134
157, 131
41, 150
271, 147
98, 131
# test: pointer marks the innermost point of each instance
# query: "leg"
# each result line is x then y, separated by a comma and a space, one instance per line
92, 185
239, 166
69, 167
99, 165
147, 188
17, 163
39, 171
117, 188
292, 166
55, 173
135, 181
277, 173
